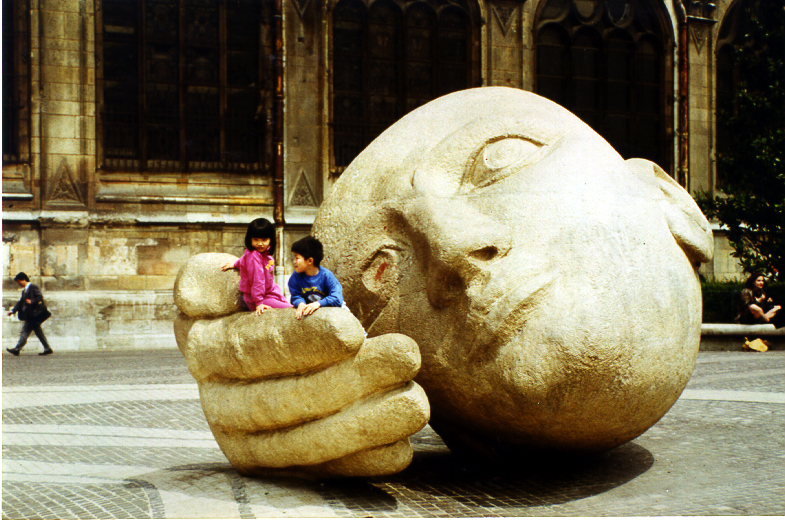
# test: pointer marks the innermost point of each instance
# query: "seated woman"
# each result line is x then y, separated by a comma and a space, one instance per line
757, 305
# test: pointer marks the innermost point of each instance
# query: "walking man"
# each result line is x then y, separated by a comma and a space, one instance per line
33, 312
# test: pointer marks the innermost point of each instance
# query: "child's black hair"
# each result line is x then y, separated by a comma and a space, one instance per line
309, 247
260, 228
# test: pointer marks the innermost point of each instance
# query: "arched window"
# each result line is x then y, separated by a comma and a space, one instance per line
181, 84
603, 60
391, 58
729, 73
16, 53
553, 63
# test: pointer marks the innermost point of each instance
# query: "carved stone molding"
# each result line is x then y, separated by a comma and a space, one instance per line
66, 189
301, 6
698, 37
302, 195
505, 16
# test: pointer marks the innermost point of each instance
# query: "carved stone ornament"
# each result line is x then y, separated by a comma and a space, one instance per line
505, 15
302, 195
699, 37
301, 6
65, 189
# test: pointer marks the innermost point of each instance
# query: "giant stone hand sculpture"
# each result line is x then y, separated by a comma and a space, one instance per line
551, 285
310, 398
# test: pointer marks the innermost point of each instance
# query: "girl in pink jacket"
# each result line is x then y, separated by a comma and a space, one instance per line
256, 266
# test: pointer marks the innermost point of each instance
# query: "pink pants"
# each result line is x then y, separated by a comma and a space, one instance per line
271, 301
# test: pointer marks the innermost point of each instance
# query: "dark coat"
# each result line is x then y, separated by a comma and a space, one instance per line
26, 311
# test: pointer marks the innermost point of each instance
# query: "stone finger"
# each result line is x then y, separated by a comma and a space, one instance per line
182, 326
377, 461
382, 362
377, 420
248, 347
203, 290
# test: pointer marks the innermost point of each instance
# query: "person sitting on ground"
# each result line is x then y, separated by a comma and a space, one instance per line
256, 266
758, 305
310, 285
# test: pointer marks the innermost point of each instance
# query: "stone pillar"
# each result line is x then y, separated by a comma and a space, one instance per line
305, 172
504, 42
701, 100
64, 85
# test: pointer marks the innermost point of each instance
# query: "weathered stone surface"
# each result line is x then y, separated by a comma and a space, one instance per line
380, 419
231, 347
381, 460
202, 290
308, 397
383, 362
551, 285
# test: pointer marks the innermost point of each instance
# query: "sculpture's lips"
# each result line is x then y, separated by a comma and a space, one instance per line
495, 324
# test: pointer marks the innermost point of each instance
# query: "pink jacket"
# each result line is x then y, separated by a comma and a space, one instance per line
256, 280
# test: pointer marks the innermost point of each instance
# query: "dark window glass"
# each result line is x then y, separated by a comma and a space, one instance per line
603, 60
553, 63
453, 44
182, 85
585, 65
9, 80
389, 59
16, 112
737, 32
419, 55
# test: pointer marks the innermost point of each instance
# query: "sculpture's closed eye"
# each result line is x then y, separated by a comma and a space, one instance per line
499, 159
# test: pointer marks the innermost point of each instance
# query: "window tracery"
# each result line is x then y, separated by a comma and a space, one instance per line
183, 85
390, 57
605, 61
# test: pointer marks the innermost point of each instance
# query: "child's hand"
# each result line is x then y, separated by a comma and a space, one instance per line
261, 308
305, 310
227, 266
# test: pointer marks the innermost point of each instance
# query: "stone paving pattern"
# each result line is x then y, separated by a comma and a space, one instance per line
111, 434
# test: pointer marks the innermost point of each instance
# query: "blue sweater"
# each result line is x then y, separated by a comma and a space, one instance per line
324, 287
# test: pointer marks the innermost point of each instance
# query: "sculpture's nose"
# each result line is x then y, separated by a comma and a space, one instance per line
463, 242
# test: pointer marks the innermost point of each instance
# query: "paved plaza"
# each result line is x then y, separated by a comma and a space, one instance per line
106, 434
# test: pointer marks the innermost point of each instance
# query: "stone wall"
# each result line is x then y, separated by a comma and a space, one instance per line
108, 286
90, 320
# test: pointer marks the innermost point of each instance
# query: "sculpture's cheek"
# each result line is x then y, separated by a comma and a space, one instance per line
586, 367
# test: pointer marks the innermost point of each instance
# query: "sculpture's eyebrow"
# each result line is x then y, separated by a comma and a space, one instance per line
478, 174
449, 156
534, 128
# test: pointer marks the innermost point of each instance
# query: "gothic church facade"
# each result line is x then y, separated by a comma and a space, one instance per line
137, 133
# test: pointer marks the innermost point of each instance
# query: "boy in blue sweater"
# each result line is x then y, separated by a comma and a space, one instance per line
310, 285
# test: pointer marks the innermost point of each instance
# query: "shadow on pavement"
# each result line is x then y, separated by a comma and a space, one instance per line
441, 475
535, 484
434, 479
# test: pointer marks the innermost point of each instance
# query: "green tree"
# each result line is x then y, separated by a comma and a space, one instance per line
751, 142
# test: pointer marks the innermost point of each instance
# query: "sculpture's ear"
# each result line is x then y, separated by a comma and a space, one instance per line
685, 220
372, 265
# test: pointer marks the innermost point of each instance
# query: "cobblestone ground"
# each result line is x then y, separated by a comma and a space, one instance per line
122, 435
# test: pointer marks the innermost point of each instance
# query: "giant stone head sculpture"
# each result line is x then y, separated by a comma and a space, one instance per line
550, 284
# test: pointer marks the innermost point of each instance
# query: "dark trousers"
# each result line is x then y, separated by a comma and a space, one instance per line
28, 328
